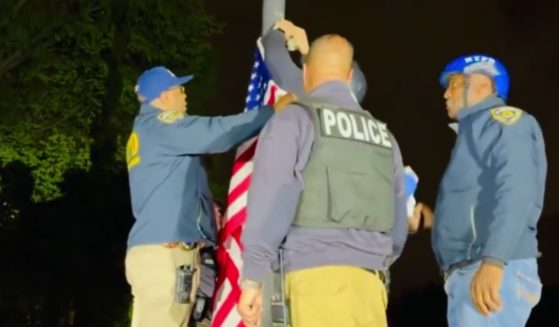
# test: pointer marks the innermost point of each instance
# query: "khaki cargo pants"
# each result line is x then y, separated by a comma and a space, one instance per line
151, 273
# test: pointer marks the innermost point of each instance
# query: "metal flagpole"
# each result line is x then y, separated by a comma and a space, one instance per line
272, 11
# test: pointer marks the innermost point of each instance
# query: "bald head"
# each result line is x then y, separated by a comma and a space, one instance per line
329, 58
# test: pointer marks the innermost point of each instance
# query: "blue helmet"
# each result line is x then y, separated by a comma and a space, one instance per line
479, 63
358, 83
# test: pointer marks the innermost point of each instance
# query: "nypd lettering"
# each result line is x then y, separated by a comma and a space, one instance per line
480, 63
472, 59
353, 126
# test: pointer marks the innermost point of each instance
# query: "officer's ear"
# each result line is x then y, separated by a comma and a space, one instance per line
350, 76
305, 73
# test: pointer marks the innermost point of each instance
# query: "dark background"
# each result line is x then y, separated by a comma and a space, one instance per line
61, 261
402, 46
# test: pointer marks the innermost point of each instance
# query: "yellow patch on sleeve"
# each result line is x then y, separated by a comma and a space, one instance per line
169, 117
132, 150
506, 115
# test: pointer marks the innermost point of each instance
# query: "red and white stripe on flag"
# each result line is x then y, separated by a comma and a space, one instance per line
261, 90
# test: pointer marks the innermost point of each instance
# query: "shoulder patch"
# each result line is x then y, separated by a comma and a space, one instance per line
506, 115
169, 117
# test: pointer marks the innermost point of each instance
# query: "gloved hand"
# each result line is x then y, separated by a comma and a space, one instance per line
416, 211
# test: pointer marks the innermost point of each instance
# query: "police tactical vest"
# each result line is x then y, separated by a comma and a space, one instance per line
348, 179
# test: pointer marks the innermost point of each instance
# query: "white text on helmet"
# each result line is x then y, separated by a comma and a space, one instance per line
472, 59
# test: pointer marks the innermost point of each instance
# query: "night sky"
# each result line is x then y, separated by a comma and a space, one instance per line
402, 47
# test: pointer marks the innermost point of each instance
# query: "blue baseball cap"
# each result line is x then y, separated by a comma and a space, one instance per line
156, 80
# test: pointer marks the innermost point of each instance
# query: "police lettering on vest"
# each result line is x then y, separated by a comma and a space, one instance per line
353, 126
348, 178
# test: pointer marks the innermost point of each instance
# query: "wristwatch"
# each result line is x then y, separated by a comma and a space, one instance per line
245, 283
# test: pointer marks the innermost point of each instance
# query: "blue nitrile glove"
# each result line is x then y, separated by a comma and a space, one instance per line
411, 185
411, 181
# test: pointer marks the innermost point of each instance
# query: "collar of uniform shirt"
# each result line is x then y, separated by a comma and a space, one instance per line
336, 91
488, 103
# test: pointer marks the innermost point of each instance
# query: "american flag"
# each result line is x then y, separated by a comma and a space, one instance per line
261, 90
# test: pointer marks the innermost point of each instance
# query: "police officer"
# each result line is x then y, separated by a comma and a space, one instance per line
489, 200
331, 193
283, 37
171, 200
286, 35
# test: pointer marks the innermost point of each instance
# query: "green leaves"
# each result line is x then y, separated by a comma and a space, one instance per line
67, 74
59, 153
